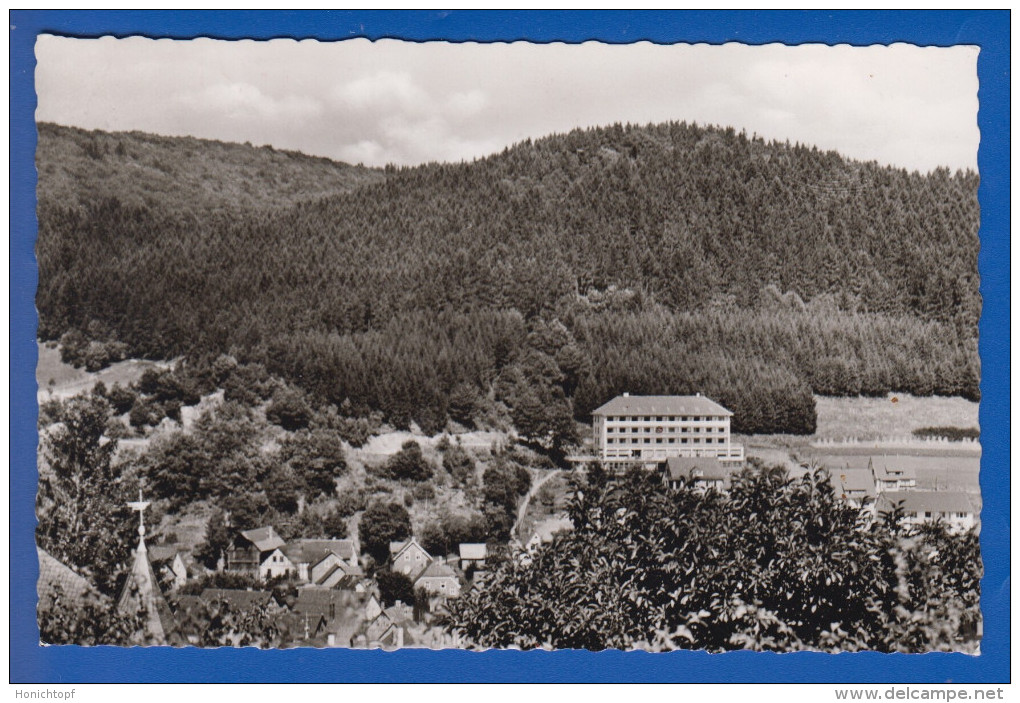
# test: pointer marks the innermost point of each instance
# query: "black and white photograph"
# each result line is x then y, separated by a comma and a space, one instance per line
389, 344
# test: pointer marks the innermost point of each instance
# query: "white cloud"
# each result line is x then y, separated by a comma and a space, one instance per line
406, 103
245, 101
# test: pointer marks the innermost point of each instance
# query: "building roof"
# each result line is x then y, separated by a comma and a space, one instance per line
848, 481
56, 578
704, 468
473, 550
894, 468
239, 599
347, 613
163, 552
397, 547
400, 613
934, 502
265, 538
661, 405
312, 551
437, 569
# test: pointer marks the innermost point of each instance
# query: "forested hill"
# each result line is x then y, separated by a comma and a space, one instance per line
182, 174
675, 257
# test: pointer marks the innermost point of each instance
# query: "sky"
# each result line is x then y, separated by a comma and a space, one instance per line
405, 103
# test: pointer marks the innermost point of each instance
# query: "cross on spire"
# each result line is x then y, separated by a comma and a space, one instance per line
140, 505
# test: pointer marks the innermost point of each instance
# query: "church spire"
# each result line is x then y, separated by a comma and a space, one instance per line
140, 505
142, 595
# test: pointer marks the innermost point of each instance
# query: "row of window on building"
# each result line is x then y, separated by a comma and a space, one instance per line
671, 430
665, 418
668, 440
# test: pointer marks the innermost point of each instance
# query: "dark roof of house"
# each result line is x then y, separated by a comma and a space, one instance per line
265, 538
400, 614
437, 569
697, 467
397, 547
55, 578
894, 468
348, 611
662, 405
239, 599
162, 552
312, 551
927, 501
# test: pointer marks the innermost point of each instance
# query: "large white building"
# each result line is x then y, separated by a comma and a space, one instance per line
652, 428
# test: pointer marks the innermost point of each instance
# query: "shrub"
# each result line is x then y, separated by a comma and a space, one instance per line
289, 410
409, 464
381, 524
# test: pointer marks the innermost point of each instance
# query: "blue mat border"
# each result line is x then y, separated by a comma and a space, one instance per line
987, 29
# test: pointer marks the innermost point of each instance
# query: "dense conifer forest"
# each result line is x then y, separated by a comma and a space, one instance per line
543, 280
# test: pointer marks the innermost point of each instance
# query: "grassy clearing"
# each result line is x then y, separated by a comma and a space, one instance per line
57, 379
896, 415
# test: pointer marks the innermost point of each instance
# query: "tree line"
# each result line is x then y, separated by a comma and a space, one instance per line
777, 270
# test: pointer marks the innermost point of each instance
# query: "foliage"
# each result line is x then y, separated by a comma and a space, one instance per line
459, 464
217, 540
282, 487
381, 524
220, 624
289, 410
220, 579
394, 586
777, 564
409, 464
83, 519
86, 621
953, 434
659, 259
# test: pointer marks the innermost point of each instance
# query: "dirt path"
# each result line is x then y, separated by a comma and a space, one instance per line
521, 511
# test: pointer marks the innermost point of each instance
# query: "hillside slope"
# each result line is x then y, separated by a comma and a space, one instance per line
674, 257
182, 174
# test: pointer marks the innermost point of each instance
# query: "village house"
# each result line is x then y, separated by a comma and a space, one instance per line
892, 474
855, 486
256, 552
952, 508
409, 558
438, 579
652, 428
168, 563
304, 554
703, 473
473, 555
346, 613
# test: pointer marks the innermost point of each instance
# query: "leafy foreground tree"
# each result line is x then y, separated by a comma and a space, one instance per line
777, 564
83, 520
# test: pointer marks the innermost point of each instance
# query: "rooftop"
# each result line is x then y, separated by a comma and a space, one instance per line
927, 502
662, 405
56, 578
265, 538
474, 550
311, 551
852, 480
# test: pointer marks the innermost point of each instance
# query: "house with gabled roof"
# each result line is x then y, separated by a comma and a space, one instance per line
333, 572
409, 558
891, 474
305, 554
345, 612
473, 555
168, 563
698, 472
438, 579
855, 486
251, 548
953, 508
